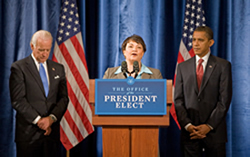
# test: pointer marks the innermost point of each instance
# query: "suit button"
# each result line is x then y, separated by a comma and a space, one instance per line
199, 100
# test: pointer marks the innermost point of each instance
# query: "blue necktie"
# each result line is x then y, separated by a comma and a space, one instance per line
44, 79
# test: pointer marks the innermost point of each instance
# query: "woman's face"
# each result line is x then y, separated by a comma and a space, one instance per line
133, 52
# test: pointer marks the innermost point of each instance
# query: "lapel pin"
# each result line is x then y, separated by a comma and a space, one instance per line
210, 66
53, 69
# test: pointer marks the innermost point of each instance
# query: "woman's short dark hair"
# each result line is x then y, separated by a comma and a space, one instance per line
135, 38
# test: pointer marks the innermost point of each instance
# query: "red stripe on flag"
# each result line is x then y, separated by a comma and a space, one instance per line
180, 58
74, 71
64, 139
173, 113
172, 109
54, 58
73, 126
191, 52
174, 80
80, 50
79, 110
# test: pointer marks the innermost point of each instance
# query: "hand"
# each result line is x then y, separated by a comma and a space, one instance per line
196, 135
44, 123
191, 128
203, 129
200, 131
48, 131
194, 132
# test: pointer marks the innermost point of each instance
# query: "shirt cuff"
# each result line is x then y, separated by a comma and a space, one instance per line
36, 120
210, 126
186, 127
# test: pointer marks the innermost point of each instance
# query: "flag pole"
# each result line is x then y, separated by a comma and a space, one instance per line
67, 153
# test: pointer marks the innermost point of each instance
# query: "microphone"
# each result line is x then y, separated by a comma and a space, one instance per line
124, 68
136, 68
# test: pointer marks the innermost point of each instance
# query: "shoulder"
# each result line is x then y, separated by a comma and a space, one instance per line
110, 72
156, 73
220, 63
187, 62
154, 70
21, 62
54, 64
219, 60
113, 69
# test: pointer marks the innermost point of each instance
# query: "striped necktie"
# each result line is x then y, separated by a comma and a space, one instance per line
199, 72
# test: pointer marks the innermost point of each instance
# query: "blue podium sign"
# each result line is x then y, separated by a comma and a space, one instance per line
130, 96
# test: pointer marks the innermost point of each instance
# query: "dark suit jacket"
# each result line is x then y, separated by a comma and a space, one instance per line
110, 74
29, 100
210, 104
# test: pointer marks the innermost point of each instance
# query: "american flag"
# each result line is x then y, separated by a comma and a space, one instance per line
194, 17
76, 123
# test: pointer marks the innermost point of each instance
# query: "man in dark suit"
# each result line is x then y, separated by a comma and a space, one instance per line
39, 101
202, 98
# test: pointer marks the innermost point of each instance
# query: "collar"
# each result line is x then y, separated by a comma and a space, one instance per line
37, 63
205, 58
144, 69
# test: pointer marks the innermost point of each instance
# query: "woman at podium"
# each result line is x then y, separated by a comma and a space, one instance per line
133, 49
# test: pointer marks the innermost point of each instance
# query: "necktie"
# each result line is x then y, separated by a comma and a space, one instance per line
199, 72
44, 79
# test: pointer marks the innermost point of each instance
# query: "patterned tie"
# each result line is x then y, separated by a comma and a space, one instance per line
44, 79
199, 73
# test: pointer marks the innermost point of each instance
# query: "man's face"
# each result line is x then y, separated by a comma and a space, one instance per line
42, 49
201, 43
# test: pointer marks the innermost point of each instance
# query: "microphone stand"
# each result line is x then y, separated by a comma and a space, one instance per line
136, 74
124, 73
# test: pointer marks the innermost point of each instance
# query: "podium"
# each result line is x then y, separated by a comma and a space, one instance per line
130, 135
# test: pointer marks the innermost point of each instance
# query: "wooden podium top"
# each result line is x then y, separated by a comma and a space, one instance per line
129, 120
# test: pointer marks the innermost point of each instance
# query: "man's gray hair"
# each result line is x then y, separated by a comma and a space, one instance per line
40, 34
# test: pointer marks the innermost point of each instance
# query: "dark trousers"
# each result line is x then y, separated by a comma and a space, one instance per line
198, 148
45, 147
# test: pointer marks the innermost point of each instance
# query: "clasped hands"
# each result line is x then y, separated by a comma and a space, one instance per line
198, 132
44, 124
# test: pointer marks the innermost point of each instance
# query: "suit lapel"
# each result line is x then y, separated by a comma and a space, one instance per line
34, 72
119, 76
51, 71
211, 64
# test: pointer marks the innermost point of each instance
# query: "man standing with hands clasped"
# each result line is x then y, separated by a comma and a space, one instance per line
39, 95
202, 98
